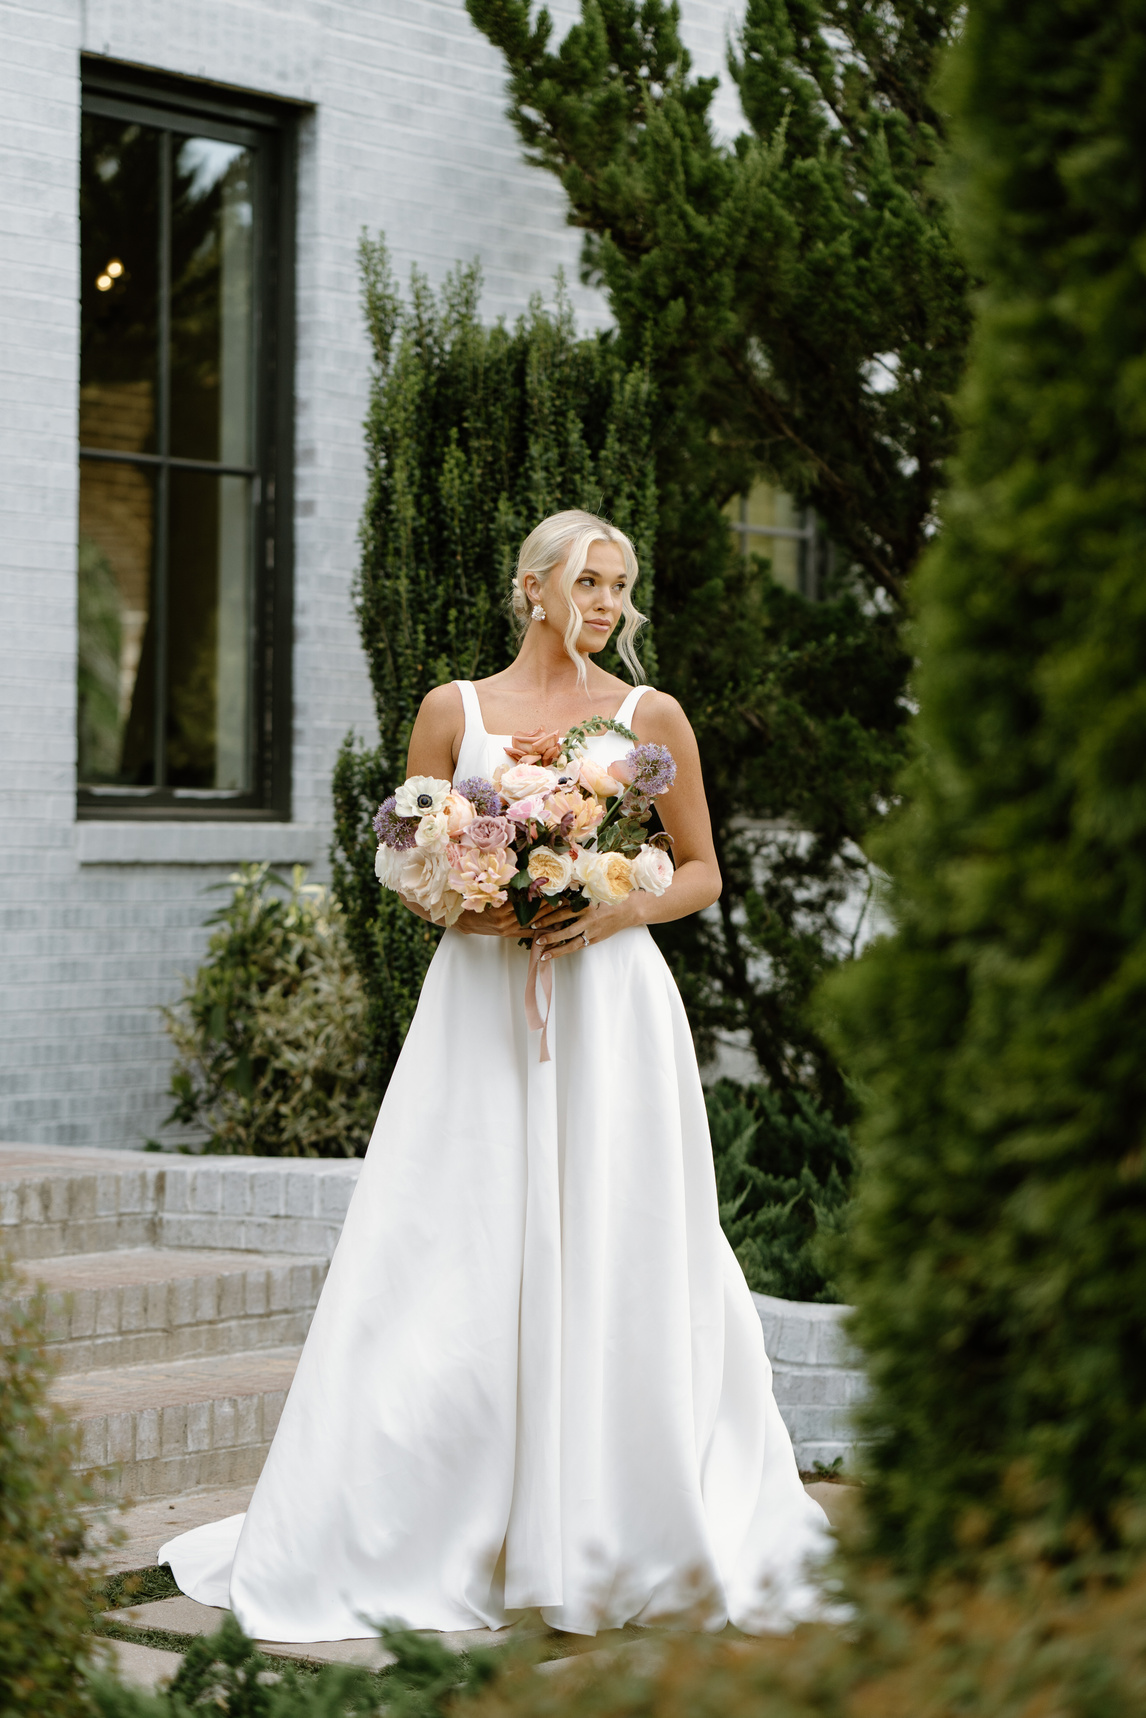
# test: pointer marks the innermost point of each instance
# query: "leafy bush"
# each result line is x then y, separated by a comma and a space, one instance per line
783, 1170
271, 1031
45, 1603
1023, 1645
226, 1676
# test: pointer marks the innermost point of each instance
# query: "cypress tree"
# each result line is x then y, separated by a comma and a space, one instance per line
473, 435
804, 313
999, 1254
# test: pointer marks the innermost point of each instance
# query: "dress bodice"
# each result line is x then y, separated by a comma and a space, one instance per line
481, 752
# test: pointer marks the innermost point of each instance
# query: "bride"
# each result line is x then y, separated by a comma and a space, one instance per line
535, 1378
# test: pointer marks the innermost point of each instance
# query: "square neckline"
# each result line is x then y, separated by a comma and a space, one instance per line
491, 736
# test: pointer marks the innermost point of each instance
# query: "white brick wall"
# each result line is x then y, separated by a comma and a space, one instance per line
409, 136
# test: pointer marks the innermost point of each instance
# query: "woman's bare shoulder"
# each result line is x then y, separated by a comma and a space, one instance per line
658, 710
441, 709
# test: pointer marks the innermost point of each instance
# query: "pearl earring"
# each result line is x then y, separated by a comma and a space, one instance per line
538, 611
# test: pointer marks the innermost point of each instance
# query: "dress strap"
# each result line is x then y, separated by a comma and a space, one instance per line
471, 706
628, 708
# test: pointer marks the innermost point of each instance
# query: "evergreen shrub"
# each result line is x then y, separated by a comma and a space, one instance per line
45, 1597
474, 434
783, 1171
1023, 1645
999, 1251
271, 1030
803, 308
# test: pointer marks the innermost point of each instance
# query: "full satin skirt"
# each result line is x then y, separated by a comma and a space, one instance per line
535, 1377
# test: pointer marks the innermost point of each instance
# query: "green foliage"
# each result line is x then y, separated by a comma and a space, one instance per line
45, 1605
782, 1178
225, 1674
271, 1031
804, 310
1025, 1644
474, 434
1000, 1239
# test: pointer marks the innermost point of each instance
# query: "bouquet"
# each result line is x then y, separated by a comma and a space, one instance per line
552, 825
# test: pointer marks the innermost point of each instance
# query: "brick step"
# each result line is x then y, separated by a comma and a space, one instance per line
161, 1304
161, 1429
57, 1200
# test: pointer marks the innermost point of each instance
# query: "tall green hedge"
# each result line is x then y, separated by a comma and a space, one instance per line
1000, 1243
474, 434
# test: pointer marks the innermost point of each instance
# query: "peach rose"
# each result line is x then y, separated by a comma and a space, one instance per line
522, 781
597, 778
605, 877
480, 876
586, 808
652, 870
552, 871
459, 813
536, 747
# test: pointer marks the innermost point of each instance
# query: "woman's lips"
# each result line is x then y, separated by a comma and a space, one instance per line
600, 625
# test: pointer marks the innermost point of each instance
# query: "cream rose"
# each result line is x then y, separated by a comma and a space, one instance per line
387, 864
605, 877
597, 779
524, 780
553, 871
433, 832
420, 795
652, 870
423, 876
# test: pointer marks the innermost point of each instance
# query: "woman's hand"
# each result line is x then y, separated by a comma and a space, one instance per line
559, 932
490, 922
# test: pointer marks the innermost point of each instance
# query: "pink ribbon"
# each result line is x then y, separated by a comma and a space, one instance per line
534, 1018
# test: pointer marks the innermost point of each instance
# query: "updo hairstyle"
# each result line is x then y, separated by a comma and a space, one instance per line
568, 537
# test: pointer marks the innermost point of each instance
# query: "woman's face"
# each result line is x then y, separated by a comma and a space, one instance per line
596, 595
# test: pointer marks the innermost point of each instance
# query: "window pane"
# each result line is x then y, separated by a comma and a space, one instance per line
209, 632
212, 240
119, 250
756, 516
116, 649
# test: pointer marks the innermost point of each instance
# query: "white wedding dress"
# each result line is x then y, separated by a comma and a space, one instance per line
535, 1377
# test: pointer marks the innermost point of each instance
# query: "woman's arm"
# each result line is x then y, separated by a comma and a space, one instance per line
684, 813
434, 745
436, 735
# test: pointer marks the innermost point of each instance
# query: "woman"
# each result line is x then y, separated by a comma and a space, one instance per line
535, 1378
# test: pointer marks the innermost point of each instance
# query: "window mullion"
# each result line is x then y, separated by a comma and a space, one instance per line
163, 445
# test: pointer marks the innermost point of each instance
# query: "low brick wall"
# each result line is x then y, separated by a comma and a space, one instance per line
817, 1376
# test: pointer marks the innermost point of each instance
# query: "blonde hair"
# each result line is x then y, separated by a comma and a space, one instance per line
568, 537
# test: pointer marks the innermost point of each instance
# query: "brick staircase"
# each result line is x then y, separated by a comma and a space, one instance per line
180, 1291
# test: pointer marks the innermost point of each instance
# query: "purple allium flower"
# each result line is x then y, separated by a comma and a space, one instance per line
482, 795
653, 770
392, 830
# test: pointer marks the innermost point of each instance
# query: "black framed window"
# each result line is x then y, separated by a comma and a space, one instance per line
185, 406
